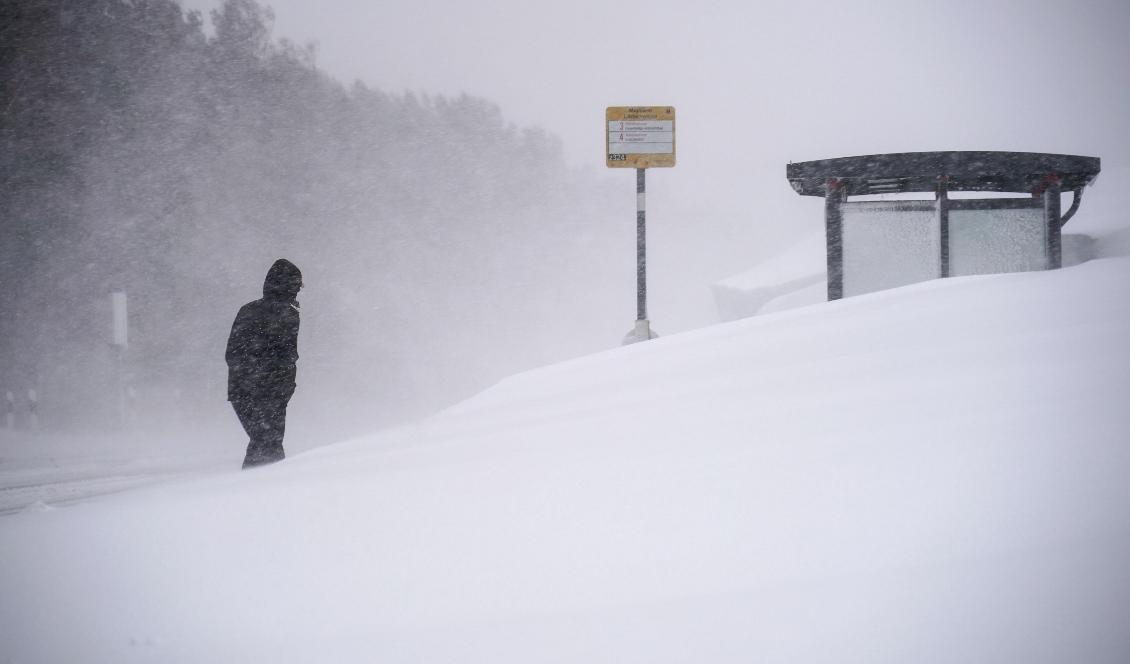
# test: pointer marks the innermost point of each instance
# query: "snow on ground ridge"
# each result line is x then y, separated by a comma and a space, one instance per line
933, 472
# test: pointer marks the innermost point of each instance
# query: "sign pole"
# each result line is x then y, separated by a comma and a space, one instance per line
641, 247
640, 137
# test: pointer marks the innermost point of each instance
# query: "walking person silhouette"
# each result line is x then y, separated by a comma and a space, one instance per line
262, 354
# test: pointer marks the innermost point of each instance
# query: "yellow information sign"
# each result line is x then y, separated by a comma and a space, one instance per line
640, 136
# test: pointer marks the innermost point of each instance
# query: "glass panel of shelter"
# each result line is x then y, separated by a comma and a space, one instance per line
996, 236
887, 244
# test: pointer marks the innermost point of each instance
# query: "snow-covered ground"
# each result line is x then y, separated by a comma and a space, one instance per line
42, 470
798, 269
937, 473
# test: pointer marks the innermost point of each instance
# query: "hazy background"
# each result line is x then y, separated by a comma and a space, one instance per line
437, 171
756, 85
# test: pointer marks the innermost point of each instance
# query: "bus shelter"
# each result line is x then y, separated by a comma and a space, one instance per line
877, 244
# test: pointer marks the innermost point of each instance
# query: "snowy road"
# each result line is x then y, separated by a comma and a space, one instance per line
40, 472
67, 488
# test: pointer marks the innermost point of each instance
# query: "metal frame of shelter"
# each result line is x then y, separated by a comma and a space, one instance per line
1044, 176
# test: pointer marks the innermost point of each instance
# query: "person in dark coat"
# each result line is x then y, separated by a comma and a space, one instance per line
262, 355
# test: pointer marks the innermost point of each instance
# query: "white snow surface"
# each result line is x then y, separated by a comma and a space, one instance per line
935, 473
798, 268
53, 469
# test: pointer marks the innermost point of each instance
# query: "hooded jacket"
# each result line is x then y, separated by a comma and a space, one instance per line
262, 350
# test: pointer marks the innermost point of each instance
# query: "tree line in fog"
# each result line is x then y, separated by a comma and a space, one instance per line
140, 152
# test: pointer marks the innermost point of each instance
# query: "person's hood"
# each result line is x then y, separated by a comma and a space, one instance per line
283, 281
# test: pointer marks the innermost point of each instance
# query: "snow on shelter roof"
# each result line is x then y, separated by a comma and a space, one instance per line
964, 171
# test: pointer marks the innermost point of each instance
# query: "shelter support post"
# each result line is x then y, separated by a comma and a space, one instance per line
1052, 223
834, 236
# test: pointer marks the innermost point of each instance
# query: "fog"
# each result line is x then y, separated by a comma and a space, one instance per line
436, 170
756, 85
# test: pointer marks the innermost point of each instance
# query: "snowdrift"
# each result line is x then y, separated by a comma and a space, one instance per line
798, 269
936, 473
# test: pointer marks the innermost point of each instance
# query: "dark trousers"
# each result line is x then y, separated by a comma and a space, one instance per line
265, 423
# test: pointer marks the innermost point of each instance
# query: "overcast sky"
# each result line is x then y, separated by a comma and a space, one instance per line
755, 84
794, 79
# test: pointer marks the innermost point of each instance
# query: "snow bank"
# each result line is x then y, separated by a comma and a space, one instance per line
935, 473
798, 268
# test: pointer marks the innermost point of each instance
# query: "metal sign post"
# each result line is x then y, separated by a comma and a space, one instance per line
640, 137
641, 244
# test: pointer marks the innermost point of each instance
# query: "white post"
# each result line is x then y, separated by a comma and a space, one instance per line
120, 325
120, 321
131, 407
10, 411
33, 410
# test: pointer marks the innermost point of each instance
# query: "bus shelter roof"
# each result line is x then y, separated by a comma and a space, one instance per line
901, 172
